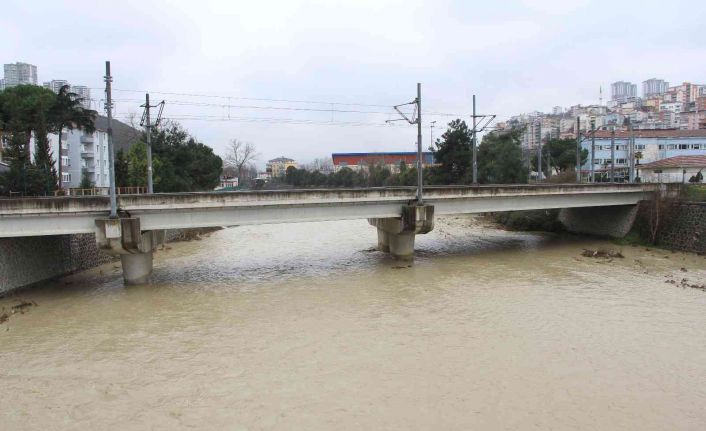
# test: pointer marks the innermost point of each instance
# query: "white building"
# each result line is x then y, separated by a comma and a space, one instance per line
654, 87
677, 169
622, 91
82, 152
80, 90
20, 74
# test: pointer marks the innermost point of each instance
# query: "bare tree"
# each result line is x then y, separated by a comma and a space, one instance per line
238, 155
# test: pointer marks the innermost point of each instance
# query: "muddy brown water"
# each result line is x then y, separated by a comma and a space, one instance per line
302, 326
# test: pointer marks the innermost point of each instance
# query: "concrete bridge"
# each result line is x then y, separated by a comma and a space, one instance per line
604, 209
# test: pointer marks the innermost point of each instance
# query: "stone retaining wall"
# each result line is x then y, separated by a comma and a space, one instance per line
685, 227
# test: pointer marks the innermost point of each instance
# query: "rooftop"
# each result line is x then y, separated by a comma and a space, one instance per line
677, 162
669, 133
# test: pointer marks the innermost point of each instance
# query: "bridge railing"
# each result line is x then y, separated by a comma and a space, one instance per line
101, 191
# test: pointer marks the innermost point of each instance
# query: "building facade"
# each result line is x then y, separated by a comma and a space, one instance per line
278, 167
20, 74
623, 91
391, 160
654, 87
650, 146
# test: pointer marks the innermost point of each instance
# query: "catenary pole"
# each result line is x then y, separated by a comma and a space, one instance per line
420, 176
111, 155
148, 132
612, 154
593, 150
578, 150
474, 143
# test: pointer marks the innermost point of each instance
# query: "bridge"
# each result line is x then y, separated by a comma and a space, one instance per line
605, 209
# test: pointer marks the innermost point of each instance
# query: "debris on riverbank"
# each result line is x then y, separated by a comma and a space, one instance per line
15, 309
684, 283
601, 253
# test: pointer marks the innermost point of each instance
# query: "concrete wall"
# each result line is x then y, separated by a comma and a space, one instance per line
33, 259
685, 228
29, 260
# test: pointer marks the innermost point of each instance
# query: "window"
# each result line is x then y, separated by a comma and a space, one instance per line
695, 146
671, 147
660, 147
620, 161
683, 146
640, 146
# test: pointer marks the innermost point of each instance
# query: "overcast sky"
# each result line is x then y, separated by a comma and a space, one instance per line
516, 56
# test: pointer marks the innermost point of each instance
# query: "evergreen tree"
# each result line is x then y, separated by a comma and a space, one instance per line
453, 154
44, 176
500, 159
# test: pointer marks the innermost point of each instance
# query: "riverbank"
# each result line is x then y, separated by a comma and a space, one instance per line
669, 224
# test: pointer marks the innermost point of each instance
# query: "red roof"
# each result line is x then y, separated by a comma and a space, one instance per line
669, 133
678, 162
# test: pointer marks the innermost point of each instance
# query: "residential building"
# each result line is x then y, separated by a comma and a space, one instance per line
80, 90
622, 91
678, 169
652, 146
391, 160
654, 87
226, 182
278, 167
82, 152
20, 74
55, 84
2, 84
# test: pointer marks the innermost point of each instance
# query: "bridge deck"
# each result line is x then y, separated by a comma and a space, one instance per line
65, 215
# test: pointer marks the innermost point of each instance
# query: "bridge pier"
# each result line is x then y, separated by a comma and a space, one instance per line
396, 235
123, 237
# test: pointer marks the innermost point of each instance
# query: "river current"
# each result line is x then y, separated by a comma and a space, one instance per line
305, 326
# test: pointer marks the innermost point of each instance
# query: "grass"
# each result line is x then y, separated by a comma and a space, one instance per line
694, 192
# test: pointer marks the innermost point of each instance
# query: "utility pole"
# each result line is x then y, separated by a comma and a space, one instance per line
578, 150
539, 161
612, 154
148, 131
431, 131
631, 153
420, 177
416, 118
111, 155
474, 143
549, 158
593, 149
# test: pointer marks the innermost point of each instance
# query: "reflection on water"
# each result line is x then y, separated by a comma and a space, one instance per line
305, 327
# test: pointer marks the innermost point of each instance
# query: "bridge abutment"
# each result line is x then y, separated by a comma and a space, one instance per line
613, 221
123, 237
396, 234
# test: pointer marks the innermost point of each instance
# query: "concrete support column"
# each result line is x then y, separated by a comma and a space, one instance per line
396, 234
402, 245
124, 238
137, 267
383, 241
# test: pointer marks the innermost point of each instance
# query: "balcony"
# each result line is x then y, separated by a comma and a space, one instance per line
86, 139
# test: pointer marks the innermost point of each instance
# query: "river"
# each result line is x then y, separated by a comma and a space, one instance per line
303, 326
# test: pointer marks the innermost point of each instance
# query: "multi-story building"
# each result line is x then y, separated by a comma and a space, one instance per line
55, 84
2, 84
88, 153
278, 167
391, 160
654, 87
622, 91
20, 74
80, 90
650, 146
